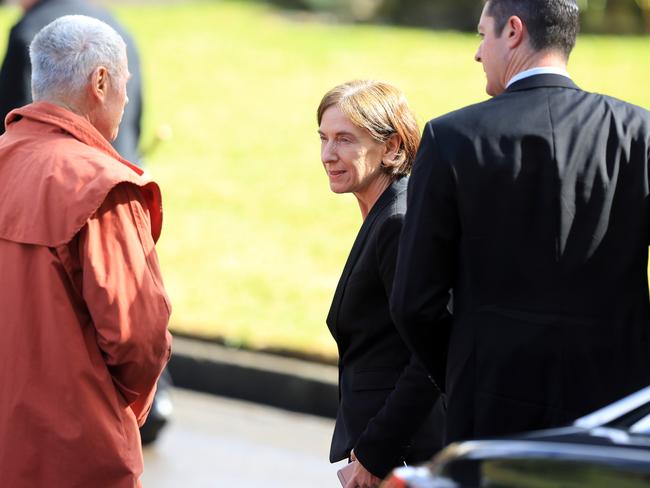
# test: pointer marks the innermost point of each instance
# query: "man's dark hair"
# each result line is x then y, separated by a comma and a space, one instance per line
551, 24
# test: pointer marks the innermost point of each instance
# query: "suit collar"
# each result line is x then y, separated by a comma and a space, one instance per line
386, 198
542, 81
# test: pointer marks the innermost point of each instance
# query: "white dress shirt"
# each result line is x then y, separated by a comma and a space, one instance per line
538, 71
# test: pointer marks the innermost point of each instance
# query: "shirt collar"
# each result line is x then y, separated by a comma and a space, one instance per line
542, 70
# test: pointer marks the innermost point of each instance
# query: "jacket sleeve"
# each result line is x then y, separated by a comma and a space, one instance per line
124, 293
15, 77
427, 259
387, 436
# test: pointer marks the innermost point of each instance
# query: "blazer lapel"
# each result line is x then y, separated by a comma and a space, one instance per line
359, 243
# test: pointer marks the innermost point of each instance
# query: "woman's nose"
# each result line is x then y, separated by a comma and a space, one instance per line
328, 153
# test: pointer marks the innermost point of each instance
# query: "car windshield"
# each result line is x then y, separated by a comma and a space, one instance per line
629, 414
642, 426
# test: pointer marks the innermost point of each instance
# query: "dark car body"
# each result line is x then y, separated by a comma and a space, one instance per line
608, 448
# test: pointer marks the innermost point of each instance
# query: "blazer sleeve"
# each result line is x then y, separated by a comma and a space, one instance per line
15, 77
427, 259
124, 293
387, 436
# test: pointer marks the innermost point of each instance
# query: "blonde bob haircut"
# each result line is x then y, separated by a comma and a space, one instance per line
382, 110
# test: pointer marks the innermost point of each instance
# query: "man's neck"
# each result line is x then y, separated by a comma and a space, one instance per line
70, 107
544, 59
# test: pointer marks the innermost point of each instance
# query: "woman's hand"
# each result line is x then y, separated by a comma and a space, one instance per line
361, 477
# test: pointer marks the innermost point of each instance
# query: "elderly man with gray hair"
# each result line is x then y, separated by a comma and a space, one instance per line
83, 309
15, 72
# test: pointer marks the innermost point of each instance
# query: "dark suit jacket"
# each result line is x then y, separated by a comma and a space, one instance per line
386, 410
16, 71
533, 208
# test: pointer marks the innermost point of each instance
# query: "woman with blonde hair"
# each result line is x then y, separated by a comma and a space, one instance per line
389, 410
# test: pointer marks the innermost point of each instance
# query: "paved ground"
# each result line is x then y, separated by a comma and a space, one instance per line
268, 379
219, 442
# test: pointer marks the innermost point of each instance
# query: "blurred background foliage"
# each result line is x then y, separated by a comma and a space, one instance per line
598, 16
254, 242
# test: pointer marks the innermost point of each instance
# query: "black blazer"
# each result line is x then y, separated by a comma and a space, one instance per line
16, 71
533, 208
386, 400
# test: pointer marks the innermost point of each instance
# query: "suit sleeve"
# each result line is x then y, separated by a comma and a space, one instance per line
387, 436
427, 259
124, 293
15, 77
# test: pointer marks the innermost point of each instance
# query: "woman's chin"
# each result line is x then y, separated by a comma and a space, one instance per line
338, 188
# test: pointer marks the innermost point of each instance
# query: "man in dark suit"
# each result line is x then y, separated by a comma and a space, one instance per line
15, 74
533, 208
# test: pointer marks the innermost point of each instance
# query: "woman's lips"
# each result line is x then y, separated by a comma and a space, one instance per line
335, 174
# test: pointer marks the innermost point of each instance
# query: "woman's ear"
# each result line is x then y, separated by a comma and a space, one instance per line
391, 148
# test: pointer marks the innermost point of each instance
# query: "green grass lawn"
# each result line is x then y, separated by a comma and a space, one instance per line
254, 242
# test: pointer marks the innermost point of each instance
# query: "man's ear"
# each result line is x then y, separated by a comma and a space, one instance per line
514, 31
99, 83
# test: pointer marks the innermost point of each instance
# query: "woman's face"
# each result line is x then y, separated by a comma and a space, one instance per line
351, 157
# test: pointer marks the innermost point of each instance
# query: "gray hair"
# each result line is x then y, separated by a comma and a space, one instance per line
66, 51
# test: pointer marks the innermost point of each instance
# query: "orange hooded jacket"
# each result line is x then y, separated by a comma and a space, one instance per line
83, 310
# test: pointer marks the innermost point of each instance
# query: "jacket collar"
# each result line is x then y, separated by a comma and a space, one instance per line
542, 81
386, 198
75, 125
